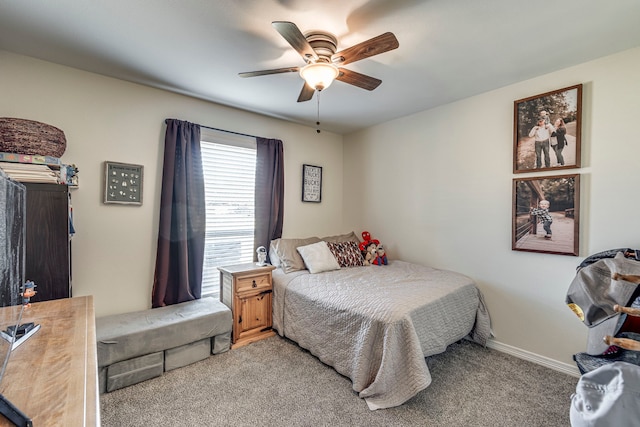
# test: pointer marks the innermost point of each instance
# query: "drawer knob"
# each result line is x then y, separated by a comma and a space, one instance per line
254, 284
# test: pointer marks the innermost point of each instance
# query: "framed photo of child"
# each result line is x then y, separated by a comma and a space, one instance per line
546, 214
547, 131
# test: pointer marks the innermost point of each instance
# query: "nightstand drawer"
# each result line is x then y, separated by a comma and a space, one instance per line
253, 283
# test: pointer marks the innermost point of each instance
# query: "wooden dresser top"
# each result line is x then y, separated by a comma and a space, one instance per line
52, 377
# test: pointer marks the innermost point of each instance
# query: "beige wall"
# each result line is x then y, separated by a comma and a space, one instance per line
435, 187
106, 119
442, 196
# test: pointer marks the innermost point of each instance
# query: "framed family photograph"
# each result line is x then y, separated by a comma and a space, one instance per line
311, 183
546, 214
547, 130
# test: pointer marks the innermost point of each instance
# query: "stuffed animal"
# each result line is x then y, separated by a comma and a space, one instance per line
368, 247
369, 253
366, 238
381, 256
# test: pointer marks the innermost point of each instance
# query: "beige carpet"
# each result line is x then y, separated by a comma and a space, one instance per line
275, 383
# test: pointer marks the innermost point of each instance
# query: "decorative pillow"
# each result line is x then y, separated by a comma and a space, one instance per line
349, 237
346, 253
318, 258
289, 258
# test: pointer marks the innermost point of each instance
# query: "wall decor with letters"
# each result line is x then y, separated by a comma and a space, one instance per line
123, 183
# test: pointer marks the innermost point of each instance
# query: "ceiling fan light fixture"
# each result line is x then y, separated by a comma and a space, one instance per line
319, 75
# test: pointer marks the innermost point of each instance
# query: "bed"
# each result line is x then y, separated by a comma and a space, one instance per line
376, 324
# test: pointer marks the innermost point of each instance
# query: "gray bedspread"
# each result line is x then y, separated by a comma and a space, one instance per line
377, 324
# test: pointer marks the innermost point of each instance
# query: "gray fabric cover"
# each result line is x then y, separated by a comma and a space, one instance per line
135, 370
102, 379
125, 336
221, 343
376, 324
187, 354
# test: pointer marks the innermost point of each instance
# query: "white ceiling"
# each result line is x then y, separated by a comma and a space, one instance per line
449, 49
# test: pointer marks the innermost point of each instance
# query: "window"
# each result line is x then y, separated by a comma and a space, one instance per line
229, 166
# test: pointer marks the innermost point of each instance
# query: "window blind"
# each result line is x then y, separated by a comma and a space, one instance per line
229, 175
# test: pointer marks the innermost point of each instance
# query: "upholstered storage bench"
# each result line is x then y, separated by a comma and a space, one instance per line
135, 347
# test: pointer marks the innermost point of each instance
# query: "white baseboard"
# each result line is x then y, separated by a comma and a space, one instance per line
535, 358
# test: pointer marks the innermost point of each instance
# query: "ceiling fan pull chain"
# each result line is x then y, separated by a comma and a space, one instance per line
318, 115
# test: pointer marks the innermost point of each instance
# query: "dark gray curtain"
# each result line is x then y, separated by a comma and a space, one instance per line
269, 196
179, 261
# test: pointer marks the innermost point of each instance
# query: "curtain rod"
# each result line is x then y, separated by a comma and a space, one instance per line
230, 131
224, 130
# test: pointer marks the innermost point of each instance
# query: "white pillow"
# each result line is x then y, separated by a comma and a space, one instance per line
318, 258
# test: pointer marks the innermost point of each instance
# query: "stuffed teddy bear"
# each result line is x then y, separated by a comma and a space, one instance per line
369, 252
381, 256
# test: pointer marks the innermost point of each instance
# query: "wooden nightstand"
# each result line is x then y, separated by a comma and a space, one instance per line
246, 289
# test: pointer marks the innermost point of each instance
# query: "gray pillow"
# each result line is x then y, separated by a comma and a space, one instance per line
285, 252
340, 238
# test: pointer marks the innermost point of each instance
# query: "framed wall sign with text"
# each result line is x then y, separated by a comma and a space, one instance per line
311, 183
123, 183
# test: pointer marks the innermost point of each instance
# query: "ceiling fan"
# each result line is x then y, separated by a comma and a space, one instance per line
318, 49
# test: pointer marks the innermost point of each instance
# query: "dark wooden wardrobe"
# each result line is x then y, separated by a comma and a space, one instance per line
48, 248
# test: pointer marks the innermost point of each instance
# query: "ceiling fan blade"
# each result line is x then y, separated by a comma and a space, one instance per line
375, 46
296, 39
266, 72
306, 93
361, 80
